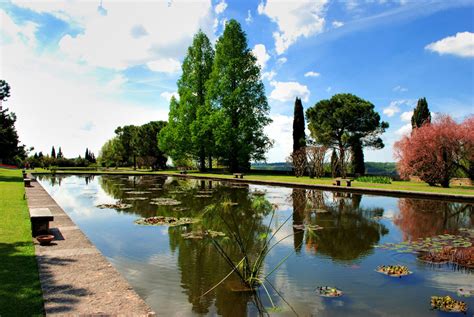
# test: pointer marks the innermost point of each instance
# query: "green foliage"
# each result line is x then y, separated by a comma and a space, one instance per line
237, 96
343, 121
189, 132
4, 91
53, 152
375, 179
358, 165
421, 114
134, 145
299, 137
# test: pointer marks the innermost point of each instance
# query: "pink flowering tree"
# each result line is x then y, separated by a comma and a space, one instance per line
436, 151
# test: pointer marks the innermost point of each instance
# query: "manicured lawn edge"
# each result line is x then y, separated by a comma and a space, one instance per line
397, 188
20, 288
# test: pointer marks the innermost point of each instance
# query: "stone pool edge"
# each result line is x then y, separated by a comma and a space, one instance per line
76, 279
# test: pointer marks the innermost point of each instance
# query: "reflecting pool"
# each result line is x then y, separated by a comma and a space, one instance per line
172, 272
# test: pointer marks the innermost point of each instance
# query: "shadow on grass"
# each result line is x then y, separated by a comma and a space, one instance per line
20, 287
11, 179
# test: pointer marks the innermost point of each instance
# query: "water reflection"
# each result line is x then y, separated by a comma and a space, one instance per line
426, 218
172, 272
349, 230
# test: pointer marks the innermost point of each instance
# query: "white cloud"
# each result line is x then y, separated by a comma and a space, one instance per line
461, 44
119, 39
168, 94
337, 24
394, 106
288, 91
83, 110
399, 89
261, 54
295, 19
165, 65
404, 130
280, 130
391, 109
282, 60
406, 116
249, 18
312, 74
220, 7
269, 75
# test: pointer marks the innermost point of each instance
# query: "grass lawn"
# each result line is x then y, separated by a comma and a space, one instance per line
394, 186
20, 290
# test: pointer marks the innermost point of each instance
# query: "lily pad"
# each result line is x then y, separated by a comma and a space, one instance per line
327, 291
135, 198
465, 292
203, 196
114, 206
165, 202
394, 270
448, 304
203, 234
165, 221
137, 193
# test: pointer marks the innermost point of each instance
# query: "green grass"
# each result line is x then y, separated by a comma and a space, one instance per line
20, 290
286, 179
375, 179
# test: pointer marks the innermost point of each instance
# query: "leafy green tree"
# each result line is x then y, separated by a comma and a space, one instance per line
237, 96
421, 114
60, 154
53, 152
11, 152
111, 153
342, 121
299, 137
189, 132
128, 137
148, 148
4, 92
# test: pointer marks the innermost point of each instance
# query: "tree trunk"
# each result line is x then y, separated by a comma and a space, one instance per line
210, 162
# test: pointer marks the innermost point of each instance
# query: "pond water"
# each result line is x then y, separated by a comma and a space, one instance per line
172, 273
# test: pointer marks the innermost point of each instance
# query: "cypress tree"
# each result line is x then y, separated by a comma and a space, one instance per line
299, 137
53, 152
60, 153
86, 156
358, 164
421, 114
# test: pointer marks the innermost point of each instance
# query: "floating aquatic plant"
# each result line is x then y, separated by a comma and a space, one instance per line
394, 270
137, 193
448, 304
165, 202
327, 291
114, 206
168, 221
203, 234
203, 196
135, 198
433, 244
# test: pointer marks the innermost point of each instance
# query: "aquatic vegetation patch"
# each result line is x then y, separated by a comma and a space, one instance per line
448, 304
307, 226
203, 196
394, 270
463, 292
460, 256
114, 206
180, 208
327, 291
137, 193
165, 221
135, 198
258, 193
165, 202
433, 244
203, 234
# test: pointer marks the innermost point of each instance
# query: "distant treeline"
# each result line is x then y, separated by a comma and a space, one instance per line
371, 168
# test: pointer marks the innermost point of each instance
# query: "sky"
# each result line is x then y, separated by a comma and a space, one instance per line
79, 69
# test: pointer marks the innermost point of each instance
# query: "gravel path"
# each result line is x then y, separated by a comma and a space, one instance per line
76, 278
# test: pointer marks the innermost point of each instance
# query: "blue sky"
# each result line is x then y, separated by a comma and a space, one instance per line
78, 69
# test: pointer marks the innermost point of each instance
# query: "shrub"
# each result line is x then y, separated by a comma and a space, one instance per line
375, 179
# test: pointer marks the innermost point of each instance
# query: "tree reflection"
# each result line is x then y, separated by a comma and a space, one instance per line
349, 231
427, 218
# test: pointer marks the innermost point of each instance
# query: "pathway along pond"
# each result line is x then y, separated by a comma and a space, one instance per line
171, 270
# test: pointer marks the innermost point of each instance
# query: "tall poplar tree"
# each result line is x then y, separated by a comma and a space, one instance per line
299, 137
237, 97
191, 133
421, 114
53, 152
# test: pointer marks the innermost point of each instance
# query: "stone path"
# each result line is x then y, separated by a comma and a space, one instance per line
76, 278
